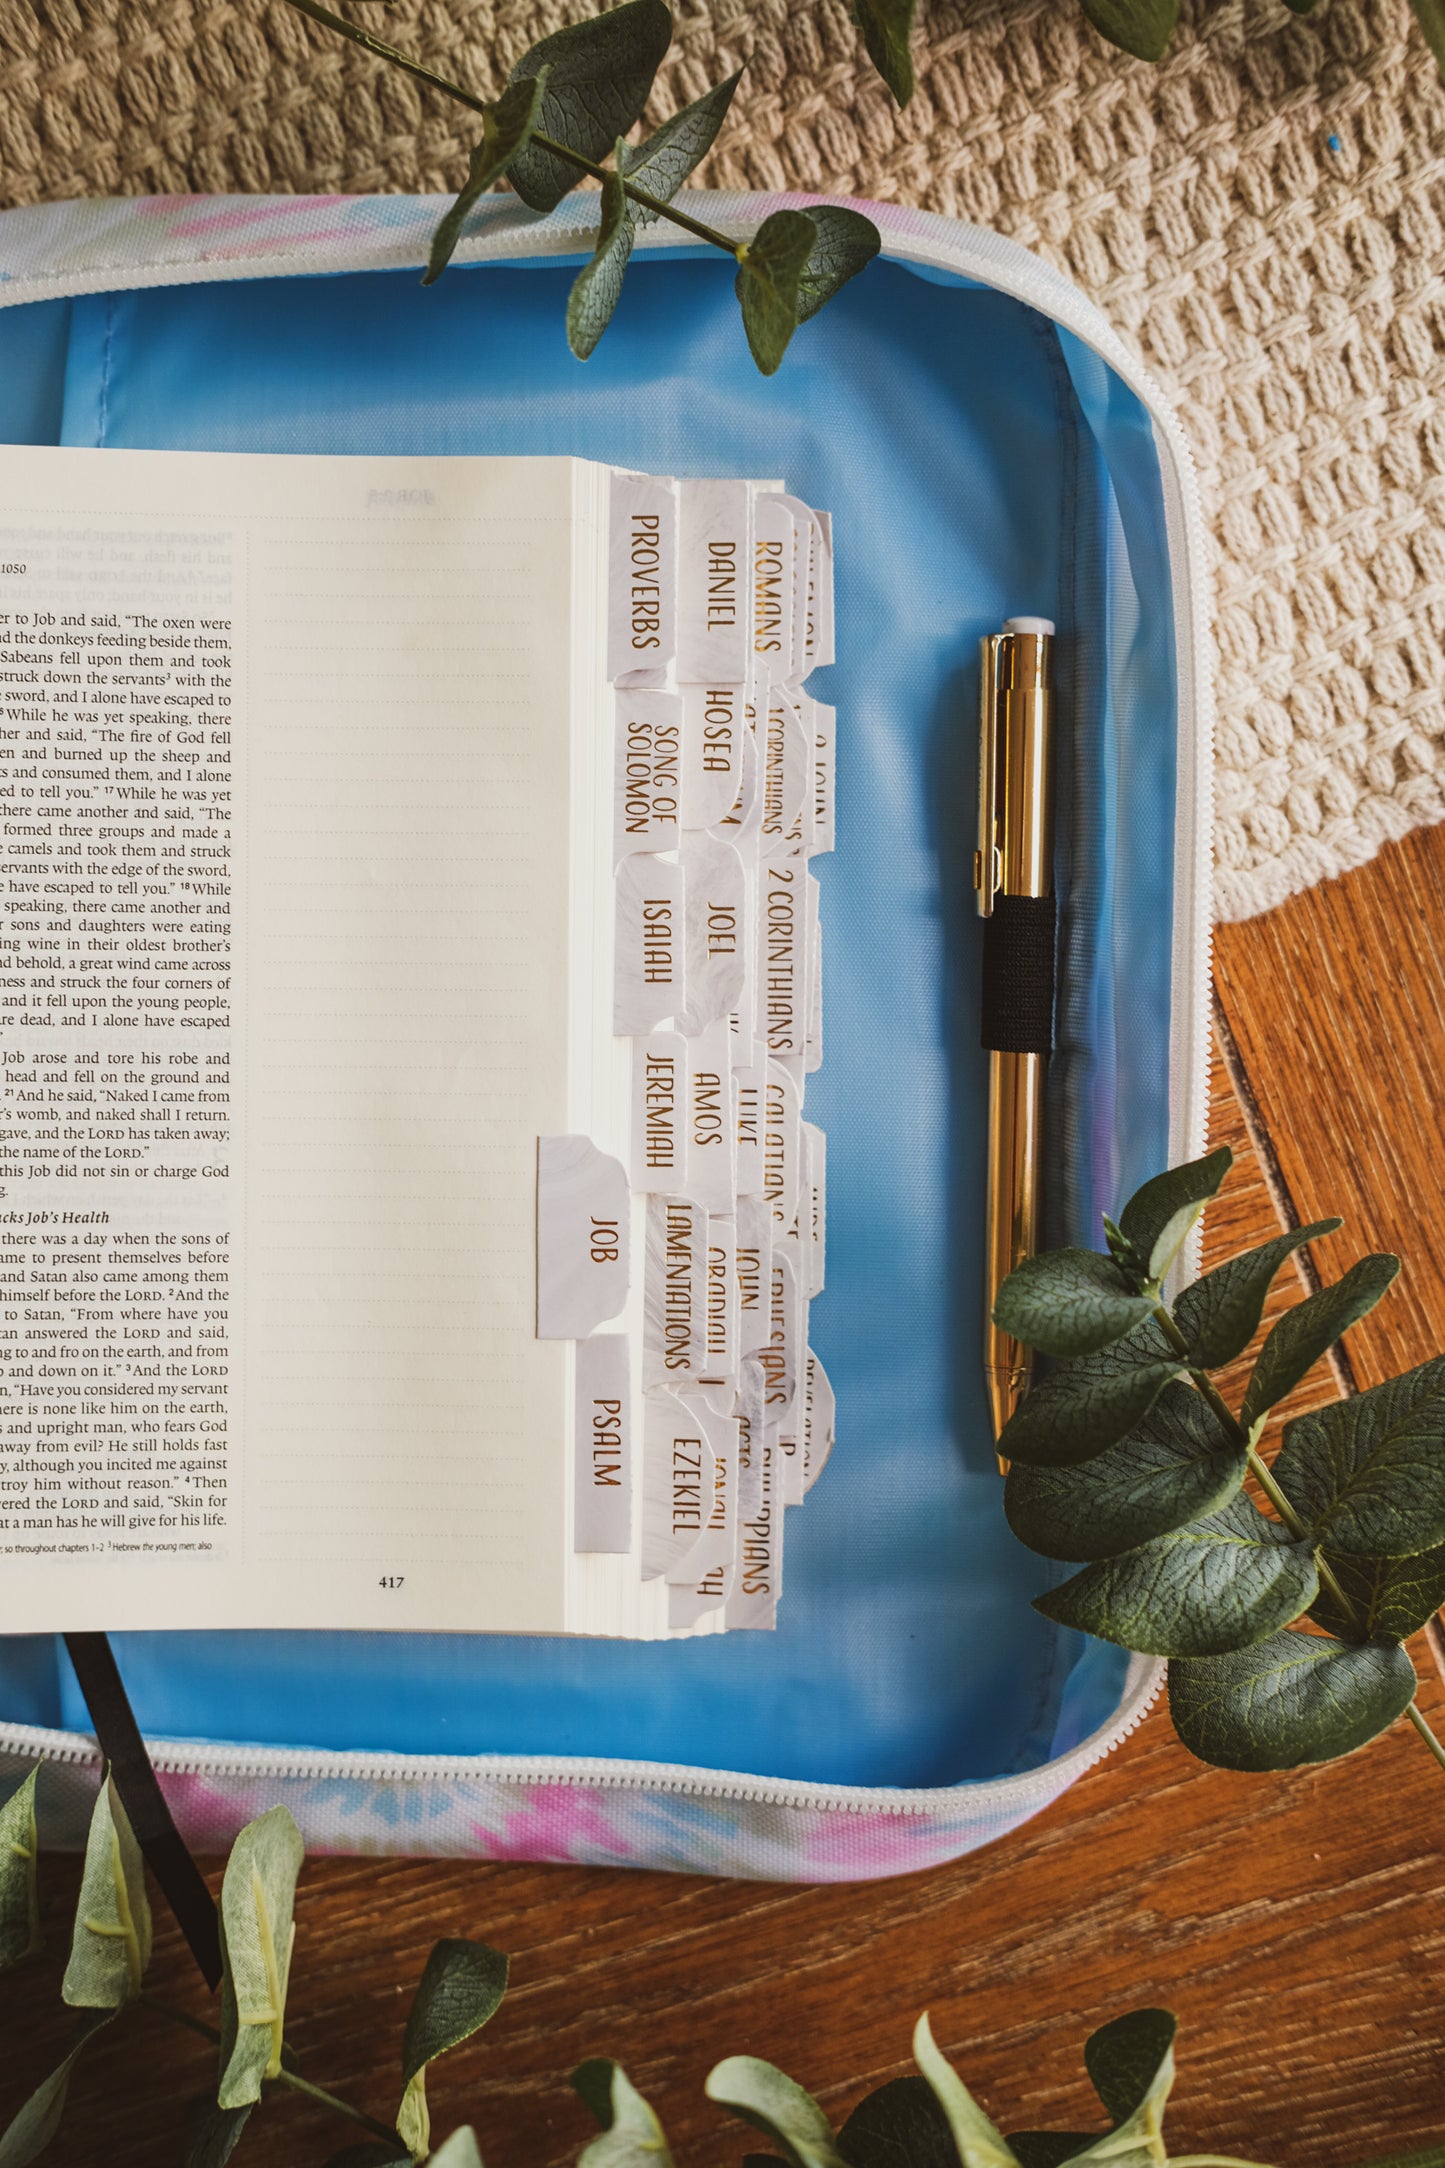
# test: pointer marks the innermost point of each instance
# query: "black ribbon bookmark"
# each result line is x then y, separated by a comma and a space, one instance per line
181, 1881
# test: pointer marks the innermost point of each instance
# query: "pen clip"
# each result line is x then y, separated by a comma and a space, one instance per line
988, 858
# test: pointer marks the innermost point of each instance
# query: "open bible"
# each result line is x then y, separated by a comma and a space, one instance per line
409, 981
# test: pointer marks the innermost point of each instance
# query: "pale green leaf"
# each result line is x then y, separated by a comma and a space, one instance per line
1049, 2148
257, 1934
1140, 27
1219, 1315
773, 2102
979, 2144
1308, 1331
460, 2150
507, 129
632, 2137
461, 1986
1220, 1584
887, 27
1367, 1474
1174, 1467
663, 162
847, 243
215, 2134
769, 281
19, 1896
600, 71
597, 288
1295, 1699
1156, 1221
111, 1945
29, 2132
1069, 1302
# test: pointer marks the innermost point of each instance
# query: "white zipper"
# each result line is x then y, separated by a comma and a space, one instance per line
984, 1797
968, 252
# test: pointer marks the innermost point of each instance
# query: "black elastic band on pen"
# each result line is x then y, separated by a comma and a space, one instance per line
1018, 975
118, 1734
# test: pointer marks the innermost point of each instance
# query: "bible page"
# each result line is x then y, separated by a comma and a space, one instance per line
285, 774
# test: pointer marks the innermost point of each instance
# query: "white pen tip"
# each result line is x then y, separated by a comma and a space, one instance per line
1036, 625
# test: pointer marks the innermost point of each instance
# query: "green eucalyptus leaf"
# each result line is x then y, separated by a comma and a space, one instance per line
215, 2133
507, 129
1219, 1315
632, 2137
597, 288
460, 2151
1294, 1699
773, 2102
1368, 1473
1390, 1598
19, 1895
1091, 1402
600, 71
1069, 1302
887, 27
900, 2125
1140, 27
769, 283
111, 1945
663, 162
1173, 1468
592, 2083
1049, 2148
461, 1986
1430, 15
1308, 1331
1222, 1583
257, 1935
1157, 1219
1129, 2059
1132, 2059
979, 2143
847, 243
30, 2131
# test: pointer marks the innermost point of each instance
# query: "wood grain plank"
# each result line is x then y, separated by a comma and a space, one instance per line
1296, 1923
1337, 1004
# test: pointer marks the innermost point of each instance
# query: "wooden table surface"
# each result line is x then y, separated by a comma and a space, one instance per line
1295, 1923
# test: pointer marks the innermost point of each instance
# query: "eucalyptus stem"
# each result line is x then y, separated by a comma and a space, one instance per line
283, 2076
564, 151
1264, 1476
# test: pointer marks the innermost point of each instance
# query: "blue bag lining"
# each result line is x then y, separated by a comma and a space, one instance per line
979, 462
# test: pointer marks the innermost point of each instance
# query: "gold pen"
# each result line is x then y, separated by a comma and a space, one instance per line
1013, 874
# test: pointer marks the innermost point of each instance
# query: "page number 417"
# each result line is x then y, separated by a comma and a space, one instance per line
392, 1580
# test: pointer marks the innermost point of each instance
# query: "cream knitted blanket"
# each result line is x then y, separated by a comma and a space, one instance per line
1261, 215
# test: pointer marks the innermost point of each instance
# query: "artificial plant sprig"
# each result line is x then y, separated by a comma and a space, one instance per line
1284, 1629
927, 2121
1140, 28
566, 109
